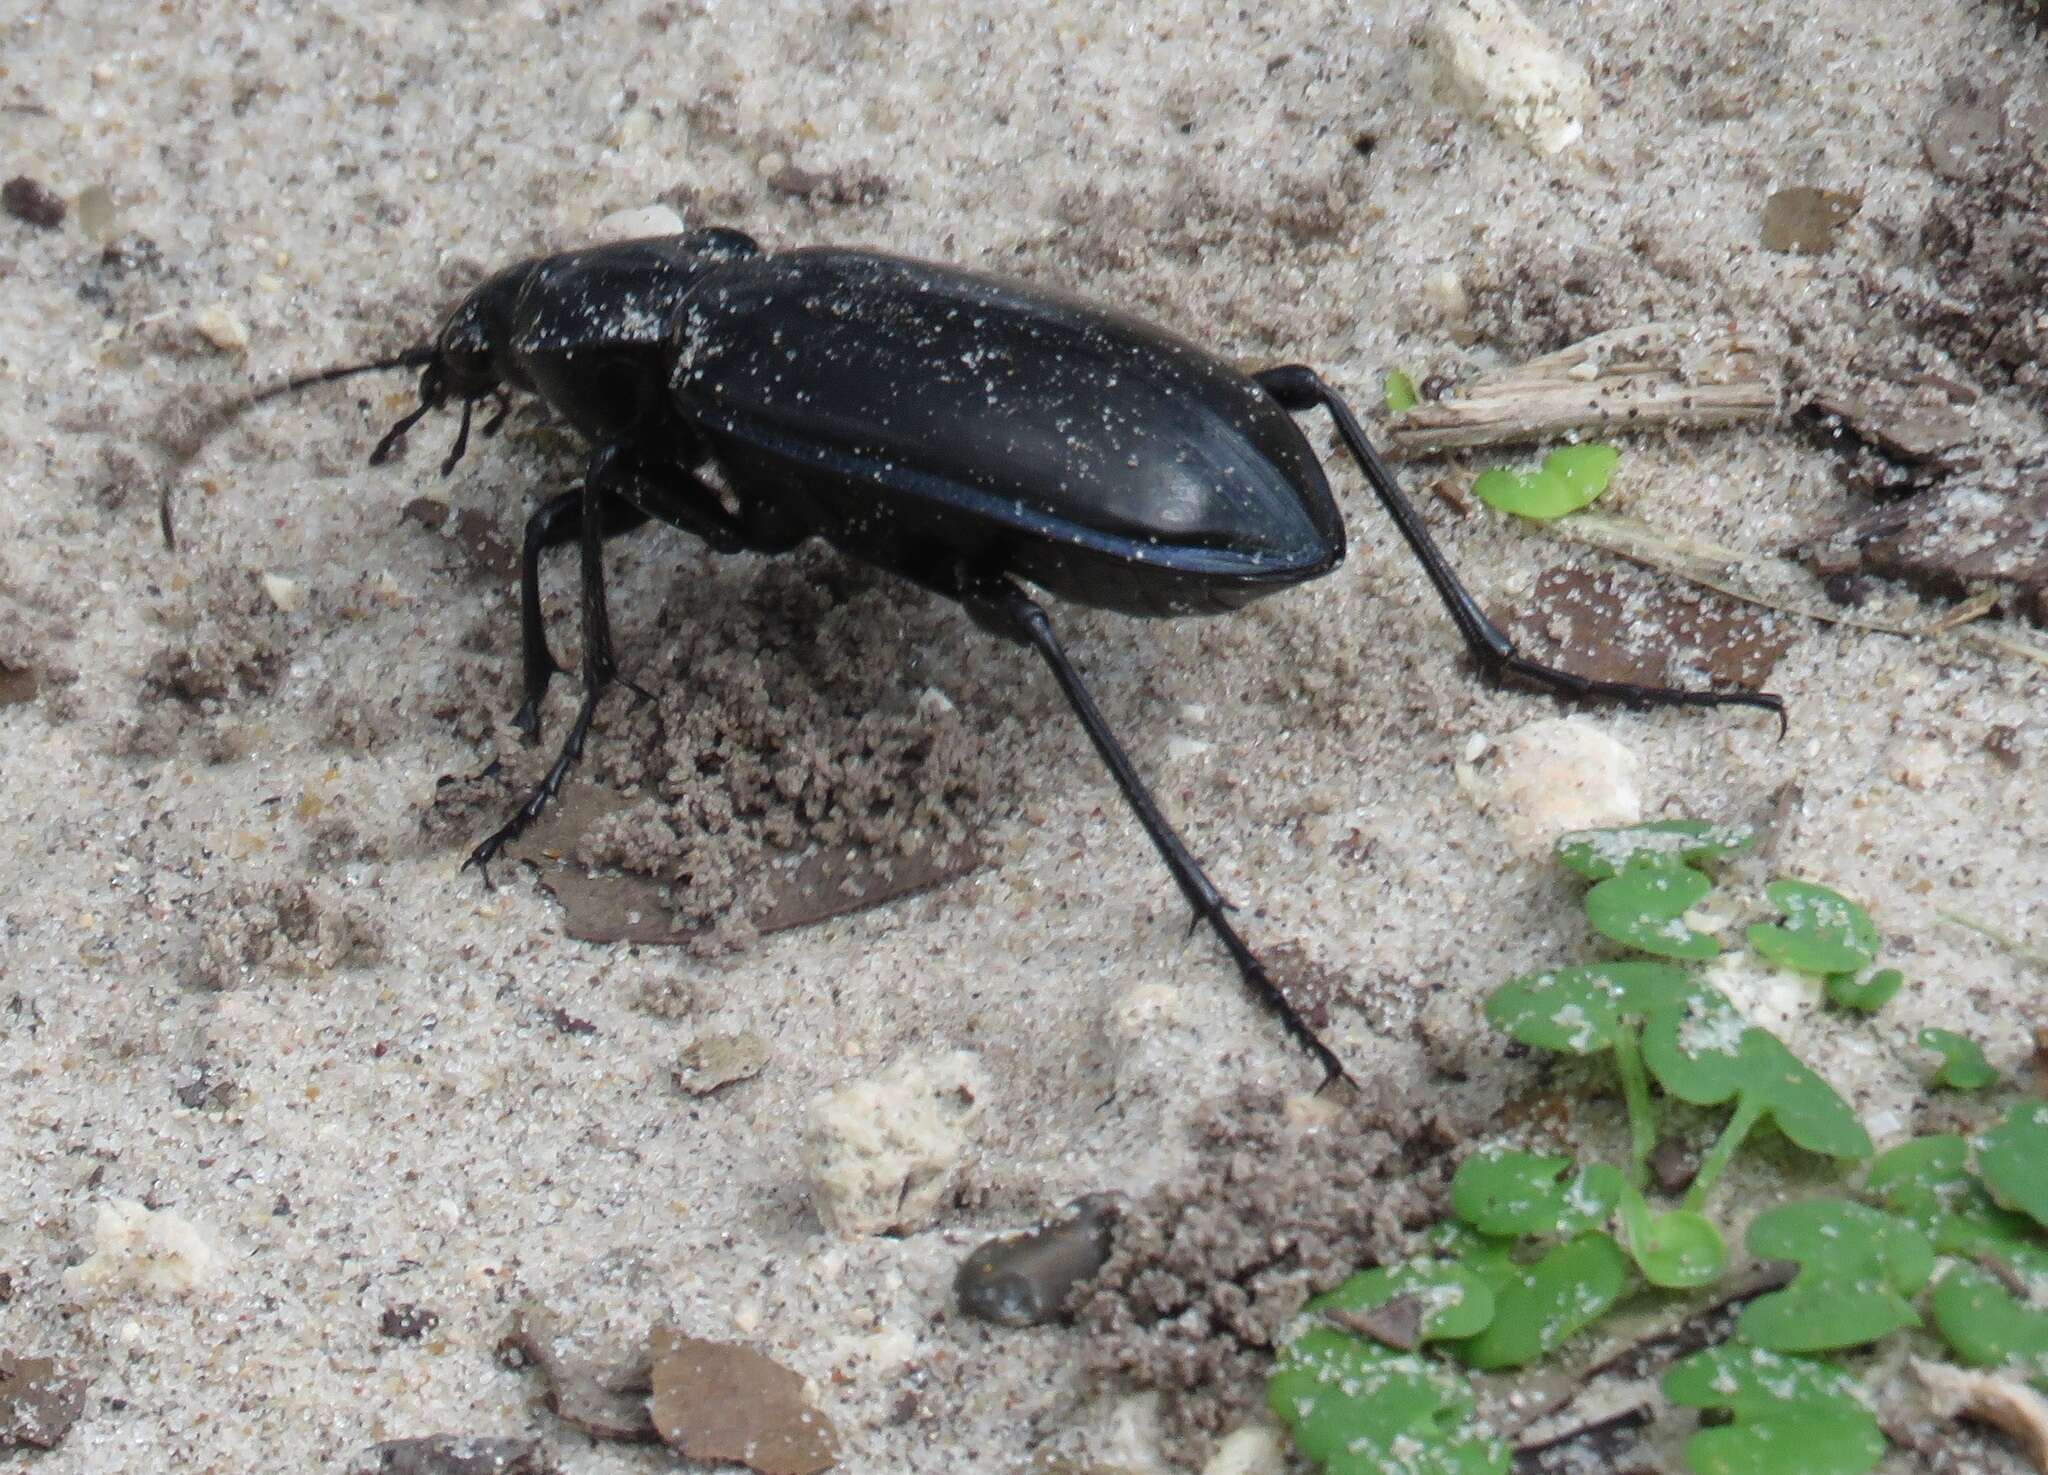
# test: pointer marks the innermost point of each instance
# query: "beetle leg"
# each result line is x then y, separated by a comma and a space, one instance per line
1299, 388
557, 521
1000, 607
600, 667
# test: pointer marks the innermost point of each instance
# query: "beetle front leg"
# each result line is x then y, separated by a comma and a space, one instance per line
1002, 608
1299, 388
557, 521
600, 667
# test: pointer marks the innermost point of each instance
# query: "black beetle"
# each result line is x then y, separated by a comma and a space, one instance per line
968, 433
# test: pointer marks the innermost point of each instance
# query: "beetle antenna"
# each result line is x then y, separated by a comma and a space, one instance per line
419, 356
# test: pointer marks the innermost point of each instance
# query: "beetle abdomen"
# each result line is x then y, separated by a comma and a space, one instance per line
1048, 431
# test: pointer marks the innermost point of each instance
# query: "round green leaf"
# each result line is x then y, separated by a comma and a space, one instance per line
1599, 854
1578, 1011
1544, 1304
1823, 931
1867, 991
1400, 393
1454, 1301
1857, 1267
1987, 1325
1927, 1182
1963, 1066
1358, 1409
1508, 1193
2012, 1159
1789, 1415
1644, 908
1681, 1252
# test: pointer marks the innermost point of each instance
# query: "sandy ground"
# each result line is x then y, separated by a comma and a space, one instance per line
396, 1102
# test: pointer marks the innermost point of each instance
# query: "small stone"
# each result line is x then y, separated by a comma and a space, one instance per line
1917, 763
1962, 137
1502, 69
1255, 1449
1558, 774
222, 329
884, 1153
1803, 220
159, 1253
97, 216
638, 224
38, 1402
32, 202
1026, 1279
288, 594
407, 1323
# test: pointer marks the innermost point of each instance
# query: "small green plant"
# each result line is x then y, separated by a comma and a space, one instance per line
1941, 1236
1570, 478
1400, 393
1963, 1067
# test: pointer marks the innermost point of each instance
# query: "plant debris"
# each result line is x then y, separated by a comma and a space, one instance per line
18, 684
32, 202
718, 1401
1625, 627
487, 554
455, 1454
38, 1403
712, 1062
606, 1399
1895, 447
2003, 1402
1803, 220
1647, 377
1951, 539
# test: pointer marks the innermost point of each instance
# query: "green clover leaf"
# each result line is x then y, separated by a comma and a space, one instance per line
1544, 1304
1356, 1408
1823, 931
2012, 1159
1987, 1325
1600, 854
1454, 1301
1857, 1267
1866, 991
1706, 1053
1790, 1415
1644, 907
1508, 1193
1679, 1251
1963, 1066
1400, 393
1927, 1182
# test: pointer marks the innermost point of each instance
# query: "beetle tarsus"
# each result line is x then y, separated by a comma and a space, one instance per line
1298, 387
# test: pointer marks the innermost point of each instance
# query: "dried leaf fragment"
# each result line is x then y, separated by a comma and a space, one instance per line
718, 1401
38, 1403
712, 1062
1803, 220
2003, 1402
606, 1400
1628, 628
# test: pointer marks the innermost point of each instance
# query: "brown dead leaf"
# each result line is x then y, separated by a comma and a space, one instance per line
826, 883
1624, 627
1947, 540
717, 1401
38, 1403
712, 1062
1803, 220
456, 1454
605, 1399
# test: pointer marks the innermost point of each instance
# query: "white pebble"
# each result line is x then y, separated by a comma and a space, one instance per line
1253, 1450
637, 223
883, 1153
287, 594
1499, 67
159, 1254
222, 329
1917, 763
1562, 773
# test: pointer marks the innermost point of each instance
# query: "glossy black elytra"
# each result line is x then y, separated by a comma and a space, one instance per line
967, 433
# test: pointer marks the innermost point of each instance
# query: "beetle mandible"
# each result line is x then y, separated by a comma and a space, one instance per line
968, 433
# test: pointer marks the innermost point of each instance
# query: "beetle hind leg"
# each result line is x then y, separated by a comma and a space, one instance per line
1299, 388
1002, 608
